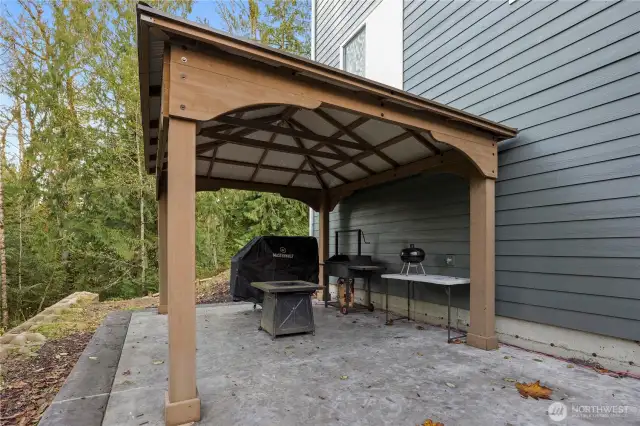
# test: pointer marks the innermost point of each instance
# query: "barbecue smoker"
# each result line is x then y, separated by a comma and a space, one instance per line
347, 268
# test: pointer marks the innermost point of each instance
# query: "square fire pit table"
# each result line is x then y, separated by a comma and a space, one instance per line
286, 308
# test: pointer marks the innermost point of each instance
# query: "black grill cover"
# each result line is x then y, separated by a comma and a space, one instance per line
272, 258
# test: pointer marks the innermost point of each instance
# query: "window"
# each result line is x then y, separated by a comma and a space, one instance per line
354, 54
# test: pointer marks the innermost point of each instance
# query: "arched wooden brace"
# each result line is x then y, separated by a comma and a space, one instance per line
202, 87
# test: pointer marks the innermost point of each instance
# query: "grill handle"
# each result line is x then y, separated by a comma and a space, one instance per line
348, 231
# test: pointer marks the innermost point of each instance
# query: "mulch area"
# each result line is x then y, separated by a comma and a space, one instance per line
30, 383
215, 290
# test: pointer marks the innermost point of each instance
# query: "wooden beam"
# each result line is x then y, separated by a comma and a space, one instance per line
257, 125
309, 196
162, 253
321, 181
226, 82
426, 143
328, 170
212, 161
366, 169
253, 165
254, 143
297, 173
353, 135
220, 127
155, 91
323, 244
262, 157
182, 404
329, 76
257, 167
449, 158
482, 324
394, 140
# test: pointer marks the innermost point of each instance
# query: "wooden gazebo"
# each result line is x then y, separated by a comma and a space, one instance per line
221, 112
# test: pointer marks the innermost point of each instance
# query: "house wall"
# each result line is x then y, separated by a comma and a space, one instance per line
567, 75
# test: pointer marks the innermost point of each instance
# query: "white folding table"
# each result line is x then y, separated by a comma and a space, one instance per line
442, 280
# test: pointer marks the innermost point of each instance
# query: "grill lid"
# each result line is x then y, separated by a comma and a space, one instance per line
412, 254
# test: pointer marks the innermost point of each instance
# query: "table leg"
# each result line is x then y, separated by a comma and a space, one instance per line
408, 301
368, 291
273, 330
386, 300
448, 290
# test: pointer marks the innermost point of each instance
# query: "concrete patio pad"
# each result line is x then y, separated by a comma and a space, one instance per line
354, 371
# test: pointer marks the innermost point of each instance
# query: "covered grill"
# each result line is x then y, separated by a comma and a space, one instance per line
272, 258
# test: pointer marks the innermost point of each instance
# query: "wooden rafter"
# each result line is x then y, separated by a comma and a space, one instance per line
353, 135
262, 157
310, 161
394, 140
317, 173
297, 173
424, 141
257, 125
215, 150
328, 170
315, 163
254, 143
252, 165
205, 131
212, 161
333, 148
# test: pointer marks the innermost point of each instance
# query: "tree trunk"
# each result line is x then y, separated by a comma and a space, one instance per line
23, 170
3, 257
143, 247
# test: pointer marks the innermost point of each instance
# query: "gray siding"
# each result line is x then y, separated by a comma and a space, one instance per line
392, 216
335, 21
567, 75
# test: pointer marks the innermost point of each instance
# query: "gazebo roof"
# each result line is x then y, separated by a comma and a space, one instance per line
316, 145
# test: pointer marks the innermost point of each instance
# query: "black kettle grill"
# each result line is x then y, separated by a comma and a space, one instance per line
412, 257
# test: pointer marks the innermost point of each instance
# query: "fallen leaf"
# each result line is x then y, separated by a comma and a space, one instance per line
457, 341
344, 377
127, 373
419, 327
509, 379
157, 362
570, 366
430, 422
507, 357
537, 360
451, 385
420, 354
533, 390
289, 347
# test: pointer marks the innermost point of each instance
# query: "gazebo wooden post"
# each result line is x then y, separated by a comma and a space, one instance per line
482, 298
182, 404
162, 252
323, 243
